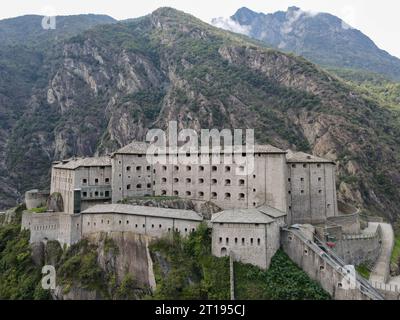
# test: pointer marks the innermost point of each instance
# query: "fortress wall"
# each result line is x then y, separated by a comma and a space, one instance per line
36, 199
275, 179
359, 249
151, 226
310, 260
237, 238
311, 192
350, 223
42, 226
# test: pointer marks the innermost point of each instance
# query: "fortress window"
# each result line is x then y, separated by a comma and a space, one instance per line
164, 180
201, 181
101, 194
254, 190
120, 222
241, 196
88, 223
136, 225
254, 176
176, 180
128, 168
188, 193
160, 226
148, 168
304, 166
328, 205
139, 186
96, 194
152, 226
289, 192
227, 196
84, 181
201, 168
201, 194
102, 221
220, 240
188, 168
236, 240
321, 268
289, 179
243, 241
169, 229
96, 181
84, 194
128, 187
251, 241
302, 191
319, 179
318, 165
127, 221
258, 241
301, 179
319, 191
140, 155
243, 154
176, 168
290, 207
120, 175
164, 192
119, 162
144, 226
241, 182
293, 166
213, 195
214, 168
254, 204
185, 229
107, 180
107, 194
214, 181
138, 168
192, 229
188, 180
108, 221
187, 154
227, 182
164, 168
227, 169
176, 193
227, 240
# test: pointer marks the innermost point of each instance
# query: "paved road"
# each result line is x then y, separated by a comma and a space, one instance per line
380, 273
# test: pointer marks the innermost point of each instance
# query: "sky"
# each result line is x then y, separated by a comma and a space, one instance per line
377, 19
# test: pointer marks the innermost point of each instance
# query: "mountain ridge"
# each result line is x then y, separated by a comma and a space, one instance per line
110, 84
320, 37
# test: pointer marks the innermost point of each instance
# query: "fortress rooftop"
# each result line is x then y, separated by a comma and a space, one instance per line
301, 157
142, 148
74, 163
242, 216
144, 211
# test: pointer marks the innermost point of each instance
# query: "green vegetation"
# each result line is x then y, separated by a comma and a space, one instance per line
185, 269
20, 278
363, 270
396, 249
39, 210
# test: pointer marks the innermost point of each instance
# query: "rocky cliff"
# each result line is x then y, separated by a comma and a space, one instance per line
103, 88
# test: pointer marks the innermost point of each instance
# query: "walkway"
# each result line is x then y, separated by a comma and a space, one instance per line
380, 272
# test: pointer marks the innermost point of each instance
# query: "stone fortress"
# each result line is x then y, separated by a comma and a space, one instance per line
286, 192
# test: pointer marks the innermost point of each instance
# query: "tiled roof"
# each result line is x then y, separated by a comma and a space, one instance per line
144, 211
142, 147
301, 157
72, 164
242, 216
272, 212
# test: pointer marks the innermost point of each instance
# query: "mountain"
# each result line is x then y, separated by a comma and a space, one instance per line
104, 87
320, 37
28, 29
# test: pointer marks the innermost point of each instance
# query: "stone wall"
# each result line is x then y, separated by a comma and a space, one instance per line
216, 182
315, 262
312, 193
36, 199
350, 223
360, 248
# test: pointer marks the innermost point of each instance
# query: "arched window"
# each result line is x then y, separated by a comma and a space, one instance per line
213, 195
227, 196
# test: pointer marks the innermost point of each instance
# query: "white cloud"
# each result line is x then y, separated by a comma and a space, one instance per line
230, 25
